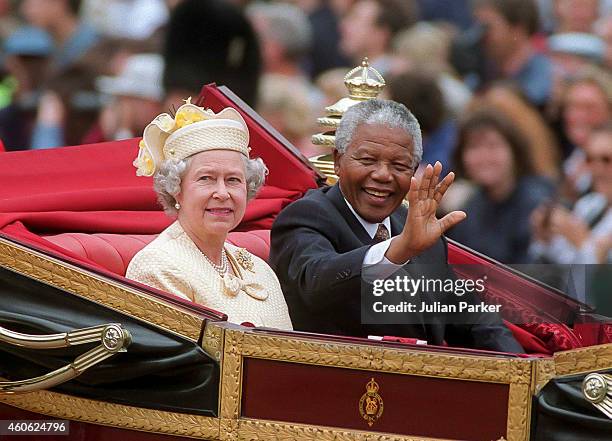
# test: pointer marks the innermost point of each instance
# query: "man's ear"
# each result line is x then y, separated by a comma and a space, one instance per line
337, 156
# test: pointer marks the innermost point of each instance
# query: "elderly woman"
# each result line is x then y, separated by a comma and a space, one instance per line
203, 175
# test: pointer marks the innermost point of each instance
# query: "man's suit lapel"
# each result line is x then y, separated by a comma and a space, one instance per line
335, 195
398, 218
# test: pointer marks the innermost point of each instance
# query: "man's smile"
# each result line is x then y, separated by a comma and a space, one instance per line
378, 195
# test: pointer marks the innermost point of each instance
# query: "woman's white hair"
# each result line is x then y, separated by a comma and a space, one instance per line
167, 180
377, 111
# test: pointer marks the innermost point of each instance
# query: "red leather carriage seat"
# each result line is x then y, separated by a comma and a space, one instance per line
115, 251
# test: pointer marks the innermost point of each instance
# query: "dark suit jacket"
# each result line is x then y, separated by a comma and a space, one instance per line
317, 252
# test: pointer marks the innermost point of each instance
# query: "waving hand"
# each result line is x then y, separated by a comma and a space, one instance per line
423, 228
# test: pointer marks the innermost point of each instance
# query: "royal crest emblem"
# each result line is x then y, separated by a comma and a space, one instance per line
244, 259
371, 403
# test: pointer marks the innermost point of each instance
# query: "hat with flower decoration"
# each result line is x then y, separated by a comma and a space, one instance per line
192, 130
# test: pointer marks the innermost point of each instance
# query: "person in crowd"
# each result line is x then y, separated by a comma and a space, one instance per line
586, 104
284, 103
427, 46
203, 175
576, 15
210, 41
418, 91
9, 23
321, 242
509, 26
331, 85
603, 29
115, 18
68, 98
72, 37
135, 97
325, 53
493, 154
26, 58
583, 234
570, 52
456, 12
285, 37
72, 109
544, 146
369, 28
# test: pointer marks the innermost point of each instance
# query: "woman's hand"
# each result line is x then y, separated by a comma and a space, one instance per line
540, 223
423, 228
563, 222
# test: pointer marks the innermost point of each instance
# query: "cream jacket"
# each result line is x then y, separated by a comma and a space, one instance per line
174, 264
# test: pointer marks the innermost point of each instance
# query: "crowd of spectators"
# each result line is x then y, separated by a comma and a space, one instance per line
515, 96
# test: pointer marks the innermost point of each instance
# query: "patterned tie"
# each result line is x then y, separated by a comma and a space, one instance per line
381, 234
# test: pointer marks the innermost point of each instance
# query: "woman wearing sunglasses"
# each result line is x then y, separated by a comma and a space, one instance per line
583, 235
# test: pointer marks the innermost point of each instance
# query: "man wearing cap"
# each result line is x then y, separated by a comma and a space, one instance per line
135, 94
321, 243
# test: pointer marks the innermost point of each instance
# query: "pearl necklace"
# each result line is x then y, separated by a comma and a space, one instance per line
221, 269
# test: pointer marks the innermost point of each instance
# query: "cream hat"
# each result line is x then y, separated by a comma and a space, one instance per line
192, 130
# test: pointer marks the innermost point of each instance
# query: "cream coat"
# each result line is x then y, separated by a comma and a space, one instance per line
174, 264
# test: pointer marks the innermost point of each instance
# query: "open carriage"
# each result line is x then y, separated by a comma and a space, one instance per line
80, 342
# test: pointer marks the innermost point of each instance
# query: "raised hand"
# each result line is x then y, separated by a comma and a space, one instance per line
423, 228
574, 229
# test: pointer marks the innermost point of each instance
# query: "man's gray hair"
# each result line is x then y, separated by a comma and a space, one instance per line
287, 24
167, 180
385, 112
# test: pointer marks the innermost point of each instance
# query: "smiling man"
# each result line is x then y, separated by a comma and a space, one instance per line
321, 242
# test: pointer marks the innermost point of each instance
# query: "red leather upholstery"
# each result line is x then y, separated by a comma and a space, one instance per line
115, 251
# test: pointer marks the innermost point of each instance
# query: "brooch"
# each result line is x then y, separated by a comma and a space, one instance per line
244, 259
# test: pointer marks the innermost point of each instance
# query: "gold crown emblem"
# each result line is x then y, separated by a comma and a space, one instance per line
372, 387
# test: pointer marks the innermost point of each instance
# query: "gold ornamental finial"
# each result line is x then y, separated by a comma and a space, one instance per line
363, 83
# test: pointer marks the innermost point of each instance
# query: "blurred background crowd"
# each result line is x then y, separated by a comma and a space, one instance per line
514, 96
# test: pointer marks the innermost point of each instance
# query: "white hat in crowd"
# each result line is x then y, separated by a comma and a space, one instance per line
141, 77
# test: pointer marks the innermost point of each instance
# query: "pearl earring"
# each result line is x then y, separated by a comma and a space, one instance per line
177, 206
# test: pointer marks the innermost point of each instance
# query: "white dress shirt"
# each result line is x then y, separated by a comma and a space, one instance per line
376, 254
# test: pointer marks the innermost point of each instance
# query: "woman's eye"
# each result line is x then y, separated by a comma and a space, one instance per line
204, 178
234, 179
